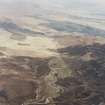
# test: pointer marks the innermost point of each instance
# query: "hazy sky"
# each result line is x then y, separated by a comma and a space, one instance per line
27, 6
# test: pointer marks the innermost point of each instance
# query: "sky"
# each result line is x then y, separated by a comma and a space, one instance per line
82, 7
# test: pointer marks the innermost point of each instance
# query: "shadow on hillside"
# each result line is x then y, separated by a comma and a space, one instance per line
86, 86
20, 77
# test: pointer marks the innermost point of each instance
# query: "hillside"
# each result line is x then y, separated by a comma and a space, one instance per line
52, 52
